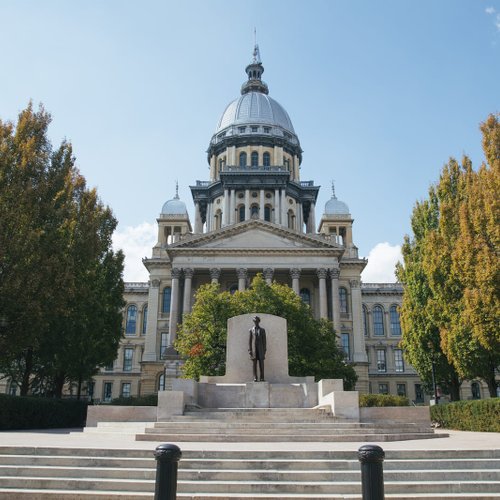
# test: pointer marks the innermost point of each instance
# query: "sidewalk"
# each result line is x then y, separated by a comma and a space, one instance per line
75, 438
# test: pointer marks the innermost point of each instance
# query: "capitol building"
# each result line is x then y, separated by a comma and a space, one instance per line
256, 215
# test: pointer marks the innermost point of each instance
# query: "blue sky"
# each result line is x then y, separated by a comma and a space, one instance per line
381, 94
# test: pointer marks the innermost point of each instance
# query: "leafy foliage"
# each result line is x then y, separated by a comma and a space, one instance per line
149, 400
479, 416
451, 272
369, 400
312, 344
60, 282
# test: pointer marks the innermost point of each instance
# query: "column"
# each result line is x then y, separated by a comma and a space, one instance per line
295, 274
242, 279
153, 304
225, 215
188, 280
174, 306
215, 274
232, 206
323, 304
300, 218
284, 219
359, 353
261, 202
198, 225
335, 274
312, 218
277, 207
247, 204
268, 275
209, 216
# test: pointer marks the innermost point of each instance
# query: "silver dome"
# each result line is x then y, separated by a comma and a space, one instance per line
335, 206
255, 108
174, 207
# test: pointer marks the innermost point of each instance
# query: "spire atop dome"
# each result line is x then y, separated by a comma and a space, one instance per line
254, 72
333, 190
176, 197
334, 206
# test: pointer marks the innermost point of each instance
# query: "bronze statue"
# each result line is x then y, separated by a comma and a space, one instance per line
257, 348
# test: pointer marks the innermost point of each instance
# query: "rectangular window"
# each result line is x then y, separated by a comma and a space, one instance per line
401, 389
90, 389
254, 129
163, 344
109, 367
126, 386
107, 392
267, 130
242, 130
381, 364
128, 353
419, 394
345, 345
383, 388
398, 361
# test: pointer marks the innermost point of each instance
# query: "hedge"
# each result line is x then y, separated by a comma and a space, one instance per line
150, 400
366, 400
480, 415
18, 412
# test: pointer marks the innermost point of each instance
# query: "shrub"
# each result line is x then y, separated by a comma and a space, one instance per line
366, 400
481, 415
17, 412
149, 400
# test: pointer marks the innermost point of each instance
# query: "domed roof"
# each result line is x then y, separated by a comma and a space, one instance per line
255, 108
174, 206
335, 206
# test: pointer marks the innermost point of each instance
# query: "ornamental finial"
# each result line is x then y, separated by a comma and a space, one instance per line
333, 189
176, 190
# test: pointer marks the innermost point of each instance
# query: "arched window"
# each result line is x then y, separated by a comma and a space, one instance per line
243, 159
365, 320
218, 219
378, 321
266, 157
144, 320
233, 289
241, 213
476, 390
344, 309
305, 295
254, 211
131, 320
255, 159
161, 382
165, 305
267, 213
395, 325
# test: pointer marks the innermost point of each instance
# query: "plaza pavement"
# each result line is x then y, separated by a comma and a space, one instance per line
76, 438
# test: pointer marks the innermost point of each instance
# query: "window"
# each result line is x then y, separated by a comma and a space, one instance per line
107, 392
144, 320
126, 386
90, 389
109, 367
128, 353
365, 321
163, 344
287, 164
476, 390
266, 157
343, 300
161, 382
167, 295
401, 389
378, 321
395, 325
305, 295
242, 130
241, 213
131, 320
243, 160
254, 128
254, 159
345, 344
233, 289
267, 213
267, 130
419, 393
398, 361
381, 364
383, 388
254, 212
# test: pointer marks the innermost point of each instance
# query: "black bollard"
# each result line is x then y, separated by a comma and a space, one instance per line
167, 458
371, 457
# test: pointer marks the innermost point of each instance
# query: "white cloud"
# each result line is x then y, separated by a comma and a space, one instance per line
136, 243
489, 10
382, 260
497, 22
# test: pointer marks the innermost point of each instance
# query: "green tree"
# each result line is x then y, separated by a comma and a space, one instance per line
455, 262
312, 344
60, 282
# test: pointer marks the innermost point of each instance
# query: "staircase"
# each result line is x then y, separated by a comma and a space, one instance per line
77, 474
275, 425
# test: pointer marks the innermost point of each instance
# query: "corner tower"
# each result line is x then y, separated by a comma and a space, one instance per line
254, 157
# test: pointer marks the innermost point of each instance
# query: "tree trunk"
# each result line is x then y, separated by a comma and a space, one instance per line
492, 384
79, 390
59, 380
28, 368
455, 389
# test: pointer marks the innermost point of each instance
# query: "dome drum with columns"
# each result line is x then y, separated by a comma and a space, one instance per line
255, 215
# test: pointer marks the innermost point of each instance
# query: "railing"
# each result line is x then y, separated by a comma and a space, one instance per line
254, 168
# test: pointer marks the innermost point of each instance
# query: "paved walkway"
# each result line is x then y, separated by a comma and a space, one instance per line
75, 438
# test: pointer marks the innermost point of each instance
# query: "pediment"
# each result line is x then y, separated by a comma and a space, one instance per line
255, 235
